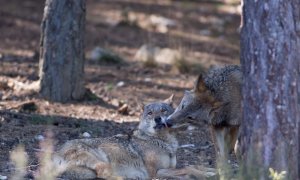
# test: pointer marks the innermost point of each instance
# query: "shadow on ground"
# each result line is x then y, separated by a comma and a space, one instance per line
28, 129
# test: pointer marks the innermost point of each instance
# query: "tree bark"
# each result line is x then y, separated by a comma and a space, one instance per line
62, 50
270, 56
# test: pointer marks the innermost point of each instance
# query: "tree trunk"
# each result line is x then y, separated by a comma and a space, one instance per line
270, 56
62, 50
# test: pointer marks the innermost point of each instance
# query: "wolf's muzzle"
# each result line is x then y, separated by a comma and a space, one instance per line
160, 123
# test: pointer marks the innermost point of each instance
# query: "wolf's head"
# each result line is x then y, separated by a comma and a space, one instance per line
196, 105
153, 118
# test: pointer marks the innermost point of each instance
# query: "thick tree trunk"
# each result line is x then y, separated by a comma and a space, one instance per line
270, 56
62, 50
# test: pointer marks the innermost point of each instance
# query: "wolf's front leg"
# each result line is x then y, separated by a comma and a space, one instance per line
220, 136
232, 137
222, 142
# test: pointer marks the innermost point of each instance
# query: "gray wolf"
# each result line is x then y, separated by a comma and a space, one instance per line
150, 148
215, 99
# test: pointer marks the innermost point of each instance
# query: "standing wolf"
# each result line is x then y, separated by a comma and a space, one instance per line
151, 148
216, 99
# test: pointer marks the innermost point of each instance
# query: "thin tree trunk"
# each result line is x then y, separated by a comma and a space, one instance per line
62, 50
270, 56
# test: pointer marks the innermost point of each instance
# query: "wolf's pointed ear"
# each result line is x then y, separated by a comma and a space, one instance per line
169, 100
142, 106
200, 85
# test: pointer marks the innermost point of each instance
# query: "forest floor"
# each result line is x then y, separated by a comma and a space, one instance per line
205, 31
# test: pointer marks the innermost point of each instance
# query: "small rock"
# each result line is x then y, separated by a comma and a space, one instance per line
86, 135
111, 22
146, 53
131, 113
147, 79
162, 24
115, 102
120, 84
96, 54
5, 97
39, 137
162, 29
106, 56
162, 20
3, 177
167, 56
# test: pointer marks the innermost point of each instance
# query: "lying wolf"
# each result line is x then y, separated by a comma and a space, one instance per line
216, 99
139, 156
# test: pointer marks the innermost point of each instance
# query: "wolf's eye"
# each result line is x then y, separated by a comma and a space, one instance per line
163, 110
149, 113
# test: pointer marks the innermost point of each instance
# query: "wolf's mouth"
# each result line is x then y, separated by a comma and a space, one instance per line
169, 125
161, 123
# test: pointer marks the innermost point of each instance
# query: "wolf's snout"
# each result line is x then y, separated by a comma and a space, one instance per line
161, 123
169, 122
157, 120
158, 123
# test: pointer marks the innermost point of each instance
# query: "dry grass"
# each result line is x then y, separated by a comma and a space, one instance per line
19, 158
46, 170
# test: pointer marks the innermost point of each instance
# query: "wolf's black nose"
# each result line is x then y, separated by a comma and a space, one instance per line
157, 120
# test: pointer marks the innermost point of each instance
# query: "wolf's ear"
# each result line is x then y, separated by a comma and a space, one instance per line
142, 106
169, 100
200, 85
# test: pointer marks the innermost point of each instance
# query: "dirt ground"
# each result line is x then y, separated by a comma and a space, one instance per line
207, 32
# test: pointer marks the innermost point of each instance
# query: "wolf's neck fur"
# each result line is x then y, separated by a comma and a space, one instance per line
164, 140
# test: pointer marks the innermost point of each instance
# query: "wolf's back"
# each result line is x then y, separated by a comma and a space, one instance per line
225, 85
219, 79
